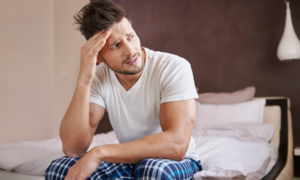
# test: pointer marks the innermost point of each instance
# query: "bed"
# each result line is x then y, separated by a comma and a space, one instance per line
279, 165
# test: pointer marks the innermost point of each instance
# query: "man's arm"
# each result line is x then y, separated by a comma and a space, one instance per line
177, 121
80, 123
81, 119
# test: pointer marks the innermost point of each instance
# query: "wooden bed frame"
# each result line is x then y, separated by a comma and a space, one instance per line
283, 145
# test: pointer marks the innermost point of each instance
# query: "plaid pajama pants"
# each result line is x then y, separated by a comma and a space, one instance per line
151, 169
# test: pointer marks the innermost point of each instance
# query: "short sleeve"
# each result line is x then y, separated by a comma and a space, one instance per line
177, 82
96, 93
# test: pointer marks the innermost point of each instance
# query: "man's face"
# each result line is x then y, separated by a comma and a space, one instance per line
122, 46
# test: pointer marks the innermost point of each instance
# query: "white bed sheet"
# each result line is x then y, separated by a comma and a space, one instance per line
12, 175
108, 138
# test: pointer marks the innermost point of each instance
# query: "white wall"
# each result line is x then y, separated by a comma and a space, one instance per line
37, 42
26, 70
68, 41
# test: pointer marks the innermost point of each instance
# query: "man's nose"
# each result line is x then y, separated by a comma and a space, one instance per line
128, 49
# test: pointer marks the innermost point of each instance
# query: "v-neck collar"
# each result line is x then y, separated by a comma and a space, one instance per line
137, 84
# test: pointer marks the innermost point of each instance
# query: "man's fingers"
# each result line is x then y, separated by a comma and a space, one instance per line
98, 45
96, 35
102, 34
95, 46
98, 40
95, 38
91, 41
106, 34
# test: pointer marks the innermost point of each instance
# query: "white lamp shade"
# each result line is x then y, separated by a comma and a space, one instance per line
289, 46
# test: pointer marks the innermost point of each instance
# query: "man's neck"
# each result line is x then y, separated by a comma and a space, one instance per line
127, 81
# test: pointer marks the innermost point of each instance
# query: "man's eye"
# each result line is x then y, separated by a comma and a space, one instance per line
115, 46
131, 36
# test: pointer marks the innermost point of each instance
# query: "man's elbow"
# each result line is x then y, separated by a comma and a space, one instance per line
179, 152
179, 155
70, 152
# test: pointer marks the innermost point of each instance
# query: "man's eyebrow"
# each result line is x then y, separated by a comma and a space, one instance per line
127, 34
113, 43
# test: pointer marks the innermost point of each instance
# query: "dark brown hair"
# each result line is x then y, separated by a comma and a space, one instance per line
98, 15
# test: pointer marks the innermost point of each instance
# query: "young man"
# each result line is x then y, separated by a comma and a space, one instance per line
149, 97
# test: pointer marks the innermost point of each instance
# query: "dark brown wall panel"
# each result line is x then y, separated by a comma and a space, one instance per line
230, 44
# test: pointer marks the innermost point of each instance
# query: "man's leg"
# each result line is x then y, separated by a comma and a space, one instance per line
164, 169
58, 170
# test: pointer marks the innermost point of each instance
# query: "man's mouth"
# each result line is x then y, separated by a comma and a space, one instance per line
132, 61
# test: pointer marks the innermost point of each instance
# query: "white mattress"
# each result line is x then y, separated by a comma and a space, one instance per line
204, 145
5, 175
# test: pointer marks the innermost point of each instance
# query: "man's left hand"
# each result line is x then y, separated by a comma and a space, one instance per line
84, 167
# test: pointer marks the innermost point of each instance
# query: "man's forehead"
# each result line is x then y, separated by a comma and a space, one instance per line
122, 28
119, 32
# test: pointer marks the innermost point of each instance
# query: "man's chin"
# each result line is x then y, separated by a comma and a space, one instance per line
133, 72
128, 72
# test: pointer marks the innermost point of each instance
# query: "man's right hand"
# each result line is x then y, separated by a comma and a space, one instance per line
88, 56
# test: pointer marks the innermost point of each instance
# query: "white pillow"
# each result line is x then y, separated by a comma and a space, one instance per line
209, 115
232, 158
238, 96
261, 131
234, 151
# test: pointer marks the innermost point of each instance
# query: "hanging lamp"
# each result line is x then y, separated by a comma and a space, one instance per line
289, 46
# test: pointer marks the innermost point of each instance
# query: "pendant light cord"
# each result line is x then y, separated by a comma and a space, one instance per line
286, 1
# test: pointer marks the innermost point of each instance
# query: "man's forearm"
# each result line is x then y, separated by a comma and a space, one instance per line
74, 129
163, 145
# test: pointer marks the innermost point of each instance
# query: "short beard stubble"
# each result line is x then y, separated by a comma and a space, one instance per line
125, 71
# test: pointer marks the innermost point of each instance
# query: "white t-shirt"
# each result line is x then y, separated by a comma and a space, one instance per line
134, 114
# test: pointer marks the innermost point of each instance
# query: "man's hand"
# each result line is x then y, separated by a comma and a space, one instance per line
88, 56
84, 167
81, 119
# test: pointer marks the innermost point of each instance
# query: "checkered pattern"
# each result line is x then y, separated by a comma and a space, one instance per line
162, 169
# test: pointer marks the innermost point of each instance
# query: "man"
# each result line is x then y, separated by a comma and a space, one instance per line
149, 97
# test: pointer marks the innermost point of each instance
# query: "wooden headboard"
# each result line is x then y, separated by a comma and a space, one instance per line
283, 145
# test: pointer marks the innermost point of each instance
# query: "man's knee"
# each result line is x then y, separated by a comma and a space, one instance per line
154, 169
58, 168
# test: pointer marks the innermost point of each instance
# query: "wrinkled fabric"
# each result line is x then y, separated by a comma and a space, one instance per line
162, 169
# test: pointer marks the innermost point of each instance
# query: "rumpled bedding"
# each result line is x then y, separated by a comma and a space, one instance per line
230, 151
33, 157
